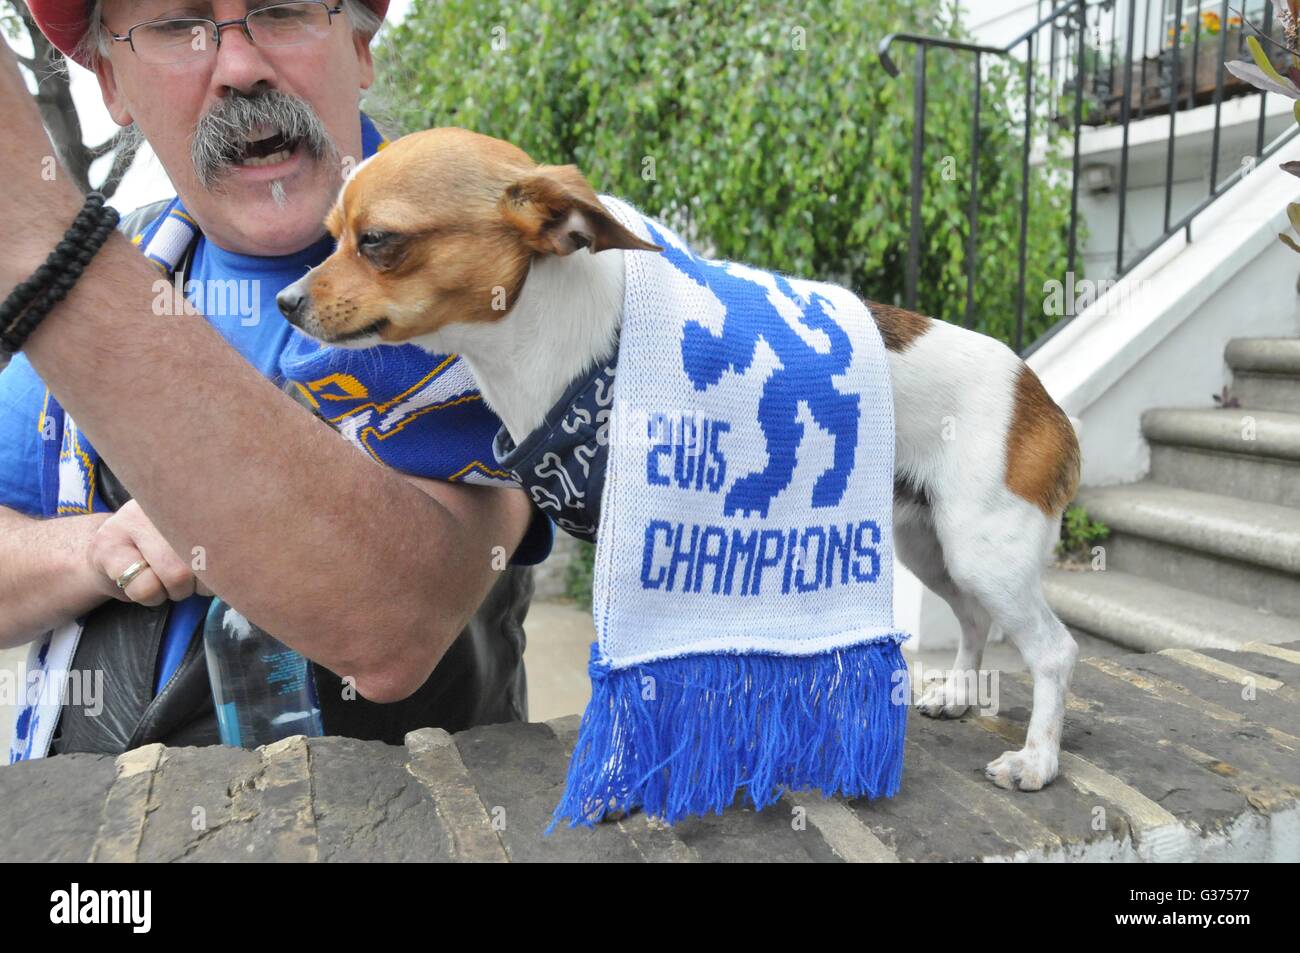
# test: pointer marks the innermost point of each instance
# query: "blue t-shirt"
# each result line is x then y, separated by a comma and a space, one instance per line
236, 293
22, 394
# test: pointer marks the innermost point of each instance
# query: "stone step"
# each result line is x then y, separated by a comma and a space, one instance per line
1266, 372
1227, 548
1264, 355
1267, 391
1244, 453
1149, 616
1253, 433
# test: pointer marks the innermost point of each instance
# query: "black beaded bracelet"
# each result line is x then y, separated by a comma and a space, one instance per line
76, 259
26, 292
29, 303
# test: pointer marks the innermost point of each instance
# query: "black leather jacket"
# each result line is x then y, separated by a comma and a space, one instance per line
480, 680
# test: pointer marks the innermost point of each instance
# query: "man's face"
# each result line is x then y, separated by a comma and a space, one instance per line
271, 209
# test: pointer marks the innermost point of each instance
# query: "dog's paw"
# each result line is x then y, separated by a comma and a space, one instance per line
939, 700
1028, 769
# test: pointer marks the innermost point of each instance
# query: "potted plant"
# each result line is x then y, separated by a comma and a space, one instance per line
1198, 57
1103, 87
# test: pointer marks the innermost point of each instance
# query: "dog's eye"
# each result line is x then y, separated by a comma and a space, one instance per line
383, 250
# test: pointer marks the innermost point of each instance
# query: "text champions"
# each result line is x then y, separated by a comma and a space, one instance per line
692, 557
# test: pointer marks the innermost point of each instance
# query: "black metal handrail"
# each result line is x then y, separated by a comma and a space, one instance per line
1074, 19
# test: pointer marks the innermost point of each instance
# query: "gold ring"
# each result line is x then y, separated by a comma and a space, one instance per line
132, 571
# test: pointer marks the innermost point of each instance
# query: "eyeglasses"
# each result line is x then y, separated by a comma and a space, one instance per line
190, 39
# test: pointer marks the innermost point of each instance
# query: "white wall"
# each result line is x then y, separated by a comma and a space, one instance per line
997, 22
1148, 151
1158, 339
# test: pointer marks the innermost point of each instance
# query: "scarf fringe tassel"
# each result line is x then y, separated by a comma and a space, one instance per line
683, 736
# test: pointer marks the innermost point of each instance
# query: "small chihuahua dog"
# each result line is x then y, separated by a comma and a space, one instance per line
461, 244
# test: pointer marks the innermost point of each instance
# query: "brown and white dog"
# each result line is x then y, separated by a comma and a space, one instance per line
460, 243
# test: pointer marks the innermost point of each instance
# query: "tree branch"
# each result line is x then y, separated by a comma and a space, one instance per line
105, 147
121, 163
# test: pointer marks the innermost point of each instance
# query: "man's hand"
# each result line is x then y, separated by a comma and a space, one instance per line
45, 578
127, 537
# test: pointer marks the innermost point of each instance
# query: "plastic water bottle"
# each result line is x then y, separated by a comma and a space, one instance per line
262, 689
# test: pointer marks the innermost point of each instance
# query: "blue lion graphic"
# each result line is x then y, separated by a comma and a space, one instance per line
804, 375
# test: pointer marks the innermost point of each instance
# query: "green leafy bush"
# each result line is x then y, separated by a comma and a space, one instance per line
767, 131
1078, 532
579, 573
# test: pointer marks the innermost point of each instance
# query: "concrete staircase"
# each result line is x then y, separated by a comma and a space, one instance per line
1205, 552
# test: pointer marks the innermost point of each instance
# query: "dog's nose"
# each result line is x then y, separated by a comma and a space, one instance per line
291, 301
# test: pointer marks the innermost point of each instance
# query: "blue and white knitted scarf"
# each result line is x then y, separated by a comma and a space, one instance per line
743, 579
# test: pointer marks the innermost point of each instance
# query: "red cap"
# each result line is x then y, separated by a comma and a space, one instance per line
64, 22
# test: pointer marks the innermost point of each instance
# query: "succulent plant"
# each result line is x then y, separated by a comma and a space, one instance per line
1262, 74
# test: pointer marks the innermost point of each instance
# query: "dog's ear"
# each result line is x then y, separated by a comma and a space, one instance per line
556, 212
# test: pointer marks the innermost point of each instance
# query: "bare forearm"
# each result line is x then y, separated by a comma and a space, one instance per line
45, 580
296, 527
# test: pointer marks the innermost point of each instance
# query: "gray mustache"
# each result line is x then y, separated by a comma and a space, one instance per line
222, 130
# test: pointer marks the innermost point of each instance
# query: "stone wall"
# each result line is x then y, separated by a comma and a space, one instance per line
1175, 756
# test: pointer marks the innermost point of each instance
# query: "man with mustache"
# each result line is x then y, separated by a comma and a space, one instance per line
149, 452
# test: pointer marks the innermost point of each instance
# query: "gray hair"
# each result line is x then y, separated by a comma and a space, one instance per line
95, 42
